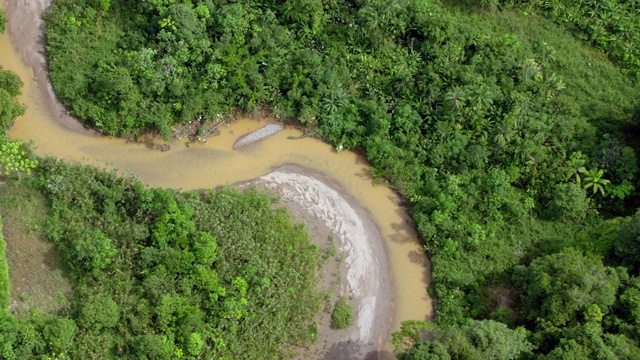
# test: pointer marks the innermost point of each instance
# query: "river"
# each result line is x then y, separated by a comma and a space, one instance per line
215, 163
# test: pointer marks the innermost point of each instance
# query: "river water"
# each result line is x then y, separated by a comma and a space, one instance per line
215, 163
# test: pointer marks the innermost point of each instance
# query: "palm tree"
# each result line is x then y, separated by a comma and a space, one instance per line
593, 179
532, 71
504, 135
554, 85
335, 100
455, 98
482, 98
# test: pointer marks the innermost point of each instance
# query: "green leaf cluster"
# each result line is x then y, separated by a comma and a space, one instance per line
485, 339
342, 315
10, 88
3, 21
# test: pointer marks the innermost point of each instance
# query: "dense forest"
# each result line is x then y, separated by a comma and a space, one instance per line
508, 126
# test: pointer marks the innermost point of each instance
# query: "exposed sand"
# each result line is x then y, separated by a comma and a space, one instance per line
258, 135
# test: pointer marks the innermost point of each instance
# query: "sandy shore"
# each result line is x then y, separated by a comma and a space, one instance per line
362, 274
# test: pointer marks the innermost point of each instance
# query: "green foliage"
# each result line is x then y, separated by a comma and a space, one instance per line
427, 350
3, 21
589, 341
559, 288
59, 334
610, 25
10, 88
4, 273
342, 315
626, 243
15, 160
593, 179
476, 340
628, 308
410, 333
99, 312
570, 202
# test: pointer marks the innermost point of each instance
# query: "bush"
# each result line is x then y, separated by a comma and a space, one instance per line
3, 21
342, 316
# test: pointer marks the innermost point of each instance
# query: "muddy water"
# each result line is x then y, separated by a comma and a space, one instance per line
216, 163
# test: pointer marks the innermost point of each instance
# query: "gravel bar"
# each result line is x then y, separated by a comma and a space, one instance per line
258, 135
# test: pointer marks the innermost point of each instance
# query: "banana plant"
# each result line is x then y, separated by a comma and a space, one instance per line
576, 167
593, 179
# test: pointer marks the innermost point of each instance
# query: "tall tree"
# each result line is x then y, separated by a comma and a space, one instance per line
558, 288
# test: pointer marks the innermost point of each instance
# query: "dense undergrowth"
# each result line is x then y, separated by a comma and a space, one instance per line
511, 138
611, 25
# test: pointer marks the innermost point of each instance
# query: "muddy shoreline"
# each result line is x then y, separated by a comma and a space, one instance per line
372, 323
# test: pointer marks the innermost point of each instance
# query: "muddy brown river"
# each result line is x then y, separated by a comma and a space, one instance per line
215, 163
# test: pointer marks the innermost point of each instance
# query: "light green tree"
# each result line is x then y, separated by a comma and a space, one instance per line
14, 160
561, 287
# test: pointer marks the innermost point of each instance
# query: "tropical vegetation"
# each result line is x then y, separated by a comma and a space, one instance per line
342, 315
509, 127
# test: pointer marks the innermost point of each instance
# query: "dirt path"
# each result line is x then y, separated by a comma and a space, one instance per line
359, 271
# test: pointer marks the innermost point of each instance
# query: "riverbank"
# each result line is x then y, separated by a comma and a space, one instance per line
24, 18
359, 272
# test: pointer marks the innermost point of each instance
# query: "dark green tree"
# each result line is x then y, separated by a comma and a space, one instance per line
559, 288
626, 245
486, 339
569, 201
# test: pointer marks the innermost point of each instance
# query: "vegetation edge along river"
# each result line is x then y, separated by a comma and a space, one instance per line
510, 128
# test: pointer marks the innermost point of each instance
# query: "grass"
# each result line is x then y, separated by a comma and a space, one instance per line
591, 79
330, 250
4, 273
36, 278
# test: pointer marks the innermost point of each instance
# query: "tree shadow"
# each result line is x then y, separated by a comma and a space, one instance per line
405, 231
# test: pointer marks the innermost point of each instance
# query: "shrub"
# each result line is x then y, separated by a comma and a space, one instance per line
342, 316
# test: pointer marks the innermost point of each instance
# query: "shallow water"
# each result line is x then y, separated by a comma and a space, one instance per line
216, 163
